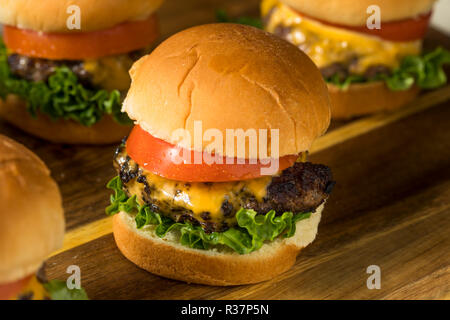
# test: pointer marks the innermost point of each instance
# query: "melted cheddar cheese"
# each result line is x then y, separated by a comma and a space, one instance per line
110, 72
197, 196
327, 44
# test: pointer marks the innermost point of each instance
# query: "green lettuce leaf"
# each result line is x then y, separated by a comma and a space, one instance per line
425, 71
250, 234
118, 198
343, 84
58, 290
62, 96
222, 16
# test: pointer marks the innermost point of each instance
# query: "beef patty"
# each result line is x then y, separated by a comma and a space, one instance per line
39, 69
298, 189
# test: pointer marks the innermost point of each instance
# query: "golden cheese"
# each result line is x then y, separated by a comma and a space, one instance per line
110, 72
34, 289
326, 44
198, 196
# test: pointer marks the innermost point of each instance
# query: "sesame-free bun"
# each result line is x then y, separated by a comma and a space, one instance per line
32, 218
367, 98
354, 13
229, 76
106, 131
52, 16
166, 257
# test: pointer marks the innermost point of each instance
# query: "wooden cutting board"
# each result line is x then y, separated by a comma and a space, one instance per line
390, 207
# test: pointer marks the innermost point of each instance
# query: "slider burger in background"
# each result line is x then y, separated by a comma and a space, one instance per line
66, 85
224, 222
367, 70
32, 226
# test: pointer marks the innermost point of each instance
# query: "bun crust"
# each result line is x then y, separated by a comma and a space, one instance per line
363, 99
32, 218
167, 258
229, 76
95, 15
61, 131
353, 13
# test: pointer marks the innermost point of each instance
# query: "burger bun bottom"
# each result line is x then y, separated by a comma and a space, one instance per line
367, 98
166, 257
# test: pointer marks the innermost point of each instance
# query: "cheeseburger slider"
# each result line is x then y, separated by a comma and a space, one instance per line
367, 69
227, 221
64, 65
31, 228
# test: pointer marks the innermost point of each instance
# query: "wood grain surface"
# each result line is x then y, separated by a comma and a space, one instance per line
390, 207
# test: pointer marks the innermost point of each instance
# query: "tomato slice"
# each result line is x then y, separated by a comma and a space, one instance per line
402, 30
9, 290
163, 158
122, 38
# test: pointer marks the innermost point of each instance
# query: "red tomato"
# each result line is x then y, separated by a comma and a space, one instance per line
161, 158
9, 290
402, 30
122, 38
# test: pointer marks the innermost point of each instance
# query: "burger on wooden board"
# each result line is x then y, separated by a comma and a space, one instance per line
32, 226
64, 65
225, 222
367, 70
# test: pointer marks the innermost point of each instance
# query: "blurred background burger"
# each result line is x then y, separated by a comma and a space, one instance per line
66, 84
31, 228
367, 70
